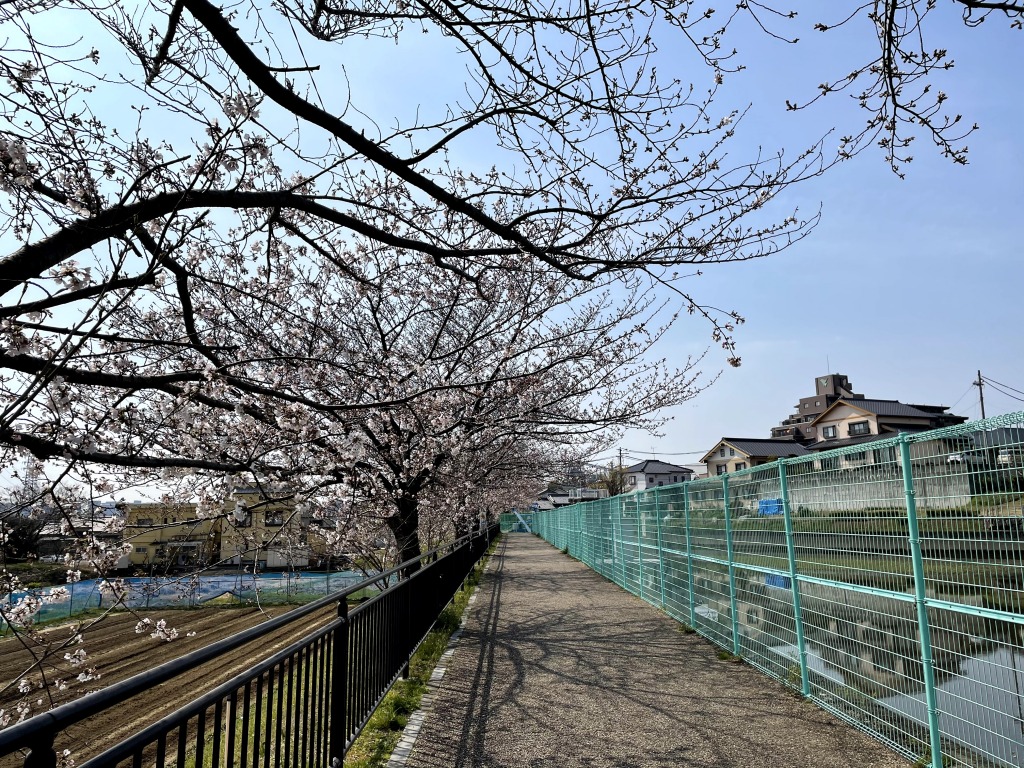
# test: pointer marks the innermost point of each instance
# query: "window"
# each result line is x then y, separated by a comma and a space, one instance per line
145, 521
650, 481
675, 478
817, 402
732, 451
860, 428
830, 462
807, 405
660, 484
828, 432
741, 465
632, 479
859, 456
142, 550
720, 470
722, 452
275, 518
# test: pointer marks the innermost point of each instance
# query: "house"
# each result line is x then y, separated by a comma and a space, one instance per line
255, 530
60, 534
653, 473
799, 426
732, 454
169, 536
264, 532
850, 422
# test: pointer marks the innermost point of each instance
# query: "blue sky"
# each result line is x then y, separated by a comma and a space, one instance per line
908, 287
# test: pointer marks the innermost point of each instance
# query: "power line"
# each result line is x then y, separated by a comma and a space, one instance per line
993, 381
1001, 391
954, 405
663, 453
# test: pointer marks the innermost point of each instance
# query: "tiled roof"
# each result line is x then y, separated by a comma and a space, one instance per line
756, 447
883, 408
761, 447
654, 466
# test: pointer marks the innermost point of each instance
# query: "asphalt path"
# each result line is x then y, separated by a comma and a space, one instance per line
559, 668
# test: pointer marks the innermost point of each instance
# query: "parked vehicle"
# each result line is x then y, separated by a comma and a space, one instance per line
966, 458
1011, 457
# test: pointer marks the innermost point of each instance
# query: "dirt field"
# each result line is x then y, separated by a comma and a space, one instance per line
117, 653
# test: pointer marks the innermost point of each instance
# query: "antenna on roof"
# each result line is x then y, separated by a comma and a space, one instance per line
828, 364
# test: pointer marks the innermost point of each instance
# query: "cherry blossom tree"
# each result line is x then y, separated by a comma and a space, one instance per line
221, 268
904, 48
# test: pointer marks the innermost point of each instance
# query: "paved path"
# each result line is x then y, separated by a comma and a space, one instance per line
558, 668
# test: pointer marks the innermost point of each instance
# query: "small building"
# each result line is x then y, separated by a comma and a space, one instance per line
732, 454
254, 530
653, 473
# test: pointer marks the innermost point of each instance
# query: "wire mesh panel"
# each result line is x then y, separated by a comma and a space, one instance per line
709, 552
629, 541
883, 580
764, 599
673, 516
648, 546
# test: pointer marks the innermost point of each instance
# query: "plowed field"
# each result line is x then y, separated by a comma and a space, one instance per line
117, 652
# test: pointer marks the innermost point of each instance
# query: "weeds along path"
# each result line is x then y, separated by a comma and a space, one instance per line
117, 652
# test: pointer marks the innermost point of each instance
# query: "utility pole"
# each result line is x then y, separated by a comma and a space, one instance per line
980, 384
620, 450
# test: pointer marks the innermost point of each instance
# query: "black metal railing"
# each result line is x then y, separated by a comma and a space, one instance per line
302, 706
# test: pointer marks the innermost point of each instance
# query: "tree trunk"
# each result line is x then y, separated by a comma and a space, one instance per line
404, 524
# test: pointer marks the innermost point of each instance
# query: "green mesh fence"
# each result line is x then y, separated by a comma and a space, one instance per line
883, 580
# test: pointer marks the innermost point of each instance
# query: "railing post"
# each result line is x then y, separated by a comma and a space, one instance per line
689, 556
919, 599
732, 569
339, 687
42, 754
805, 683
661, 548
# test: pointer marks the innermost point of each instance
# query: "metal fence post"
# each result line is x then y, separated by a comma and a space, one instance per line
919, 599
339, 687
689, 557
640, 544
805, 683
732, 569
578, 536
661, 548
622, 547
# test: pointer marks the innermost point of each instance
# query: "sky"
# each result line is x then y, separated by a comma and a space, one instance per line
908, 287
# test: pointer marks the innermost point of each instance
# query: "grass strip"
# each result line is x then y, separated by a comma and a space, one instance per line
381, 734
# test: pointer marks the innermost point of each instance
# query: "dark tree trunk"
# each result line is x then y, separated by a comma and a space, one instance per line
404, 524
